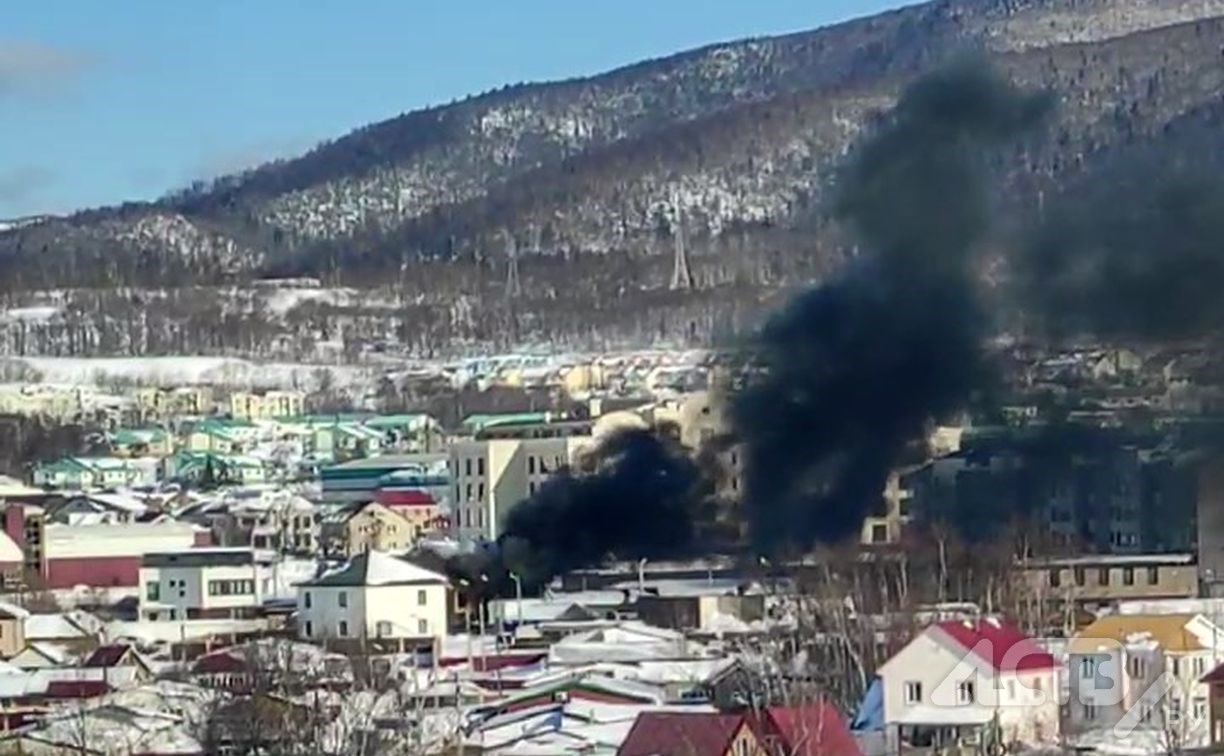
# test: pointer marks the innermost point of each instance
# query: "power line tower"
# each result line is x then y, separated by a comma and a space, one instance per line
514, 289
682, 276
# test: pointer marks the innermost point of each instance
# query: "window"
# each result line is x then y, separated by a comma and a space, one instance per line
421, 597
306, 600
1200, 708
383, 628
964, 692
423, 627
480, 466
1153, 575
343, 629
1055, 578
468, 490
342, 598
480, 491
530, 465
309, 629
153, 592
1080, 578
1088, 667
531, 488
1090, 712
1137, 667
1103, 576
1176, 667
879, 533
1198, 667
1128, 576
467, 466
1175, 709
913, 692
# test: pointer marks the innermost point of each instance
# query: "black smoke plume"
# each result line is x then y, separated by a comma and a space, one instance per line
638, 494
1134, 264
851, 372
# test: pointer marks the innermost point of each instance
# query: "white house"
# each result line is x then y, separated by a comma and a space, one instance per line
375, 596
1146, 668
956, 681
205, 583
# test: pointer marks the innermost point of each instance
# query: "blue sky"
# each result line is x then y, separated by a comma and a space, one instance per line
103, 101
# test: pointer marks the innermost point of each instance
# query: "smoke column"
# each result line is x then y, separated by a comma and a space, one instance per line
850, 372
1135, 264
638, 495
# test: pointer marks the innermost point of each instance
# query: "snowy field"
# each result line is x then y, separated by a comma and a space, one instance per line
179, 371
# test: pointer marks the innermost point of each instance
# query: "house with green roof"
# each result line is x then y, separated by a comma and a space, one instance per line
219, 437
202, 468
347, 441
88, 473
140, 442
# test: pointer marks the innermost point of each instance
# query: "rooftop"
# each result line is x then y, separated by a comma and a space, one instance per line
376, 568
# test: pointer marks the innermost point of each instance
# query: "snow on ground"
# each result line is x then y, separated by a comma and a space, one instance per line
281, 300
184, 370
33, 313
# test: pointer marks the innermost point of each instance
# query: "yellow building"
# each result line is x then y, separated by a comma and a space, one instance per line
270, 404
376, 527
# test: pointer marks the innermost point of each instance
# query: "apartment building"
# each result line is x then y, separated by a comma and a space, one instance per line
492, 475
204, 583
1103, 579
269, 404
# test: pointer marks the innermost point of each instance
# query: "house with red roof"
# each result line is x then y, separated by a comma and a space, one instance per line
815, 729
963, 682
691, 734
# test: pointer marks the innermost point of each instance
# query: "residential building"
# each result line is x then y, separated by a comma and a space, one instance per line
375, 597
267, 405
1103, 580
93, 473
1113, 662
25, 525
205, 583
691, 734
110, 555
158, 403
12, 630
345, 441
492, 475
268, 519
373, 526
140, 442
956, 679
210, 468
886, 525
360, 480
220, 437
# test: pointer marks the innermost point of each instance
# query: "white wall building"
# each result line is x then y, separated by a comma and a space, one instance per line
956, 678
491, 476
205, 583
375, 596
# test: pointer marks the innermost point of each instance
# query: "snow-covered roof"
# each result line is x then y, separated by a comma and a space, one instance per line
375, 568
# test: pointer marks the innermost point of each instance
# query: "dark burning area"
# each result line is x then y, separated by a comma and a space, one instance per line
851, 374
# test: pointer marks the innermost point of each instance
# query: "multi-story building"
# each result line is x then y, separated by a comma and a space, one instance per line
1115, 663
375, 597
362, 480
1103, 580
93, 473
109, 555
205, 583
491, 475
269, 404
374, 526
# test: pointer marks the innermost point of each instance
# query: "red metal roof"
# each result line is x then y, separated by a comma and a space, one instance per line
107, 656
77, 688
696, 734
813, 730
999, 643
1214, 676
393, 497
219, 662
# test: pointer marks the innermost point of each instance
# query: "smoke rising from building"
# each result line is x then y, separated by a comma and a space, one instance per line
1137, 264
638, 494
853, 371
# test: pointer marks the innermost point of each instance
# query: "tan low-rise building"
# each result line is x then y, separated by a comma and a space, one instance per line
372, 526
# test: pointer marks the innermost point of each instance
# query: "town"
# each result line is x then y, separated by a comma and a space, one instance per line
203, 568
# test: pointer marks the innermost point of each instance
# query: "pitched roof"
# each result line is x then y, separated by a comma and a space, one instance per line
372, 568
1214, 676
107, 656
1168, 630
681, 734
1000, 644
813, 730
